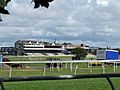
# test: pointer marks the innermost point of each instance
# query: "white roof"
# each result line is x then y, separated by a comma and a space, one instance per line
108, 50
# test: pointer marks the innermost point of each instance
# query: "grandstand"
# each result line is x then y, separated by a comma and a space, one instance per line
30, 47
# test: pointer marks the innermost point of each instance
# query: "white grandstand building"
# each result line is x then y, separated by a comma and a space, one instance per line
30, 47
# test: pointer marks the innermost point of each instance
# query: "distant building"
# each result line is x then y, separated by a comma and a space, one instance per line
30, 47
8, 51
93, 50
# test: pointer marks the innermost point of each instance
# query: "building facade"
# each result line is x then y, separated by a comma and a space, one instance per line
30, 47
8, 51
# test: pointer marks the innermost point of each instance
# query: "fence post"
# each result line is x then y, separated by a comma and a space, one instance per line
44, 71
58, 67
103, 67
50, 66
66, 65
10, 72
114, 66
71, 67
76, 69
90, 67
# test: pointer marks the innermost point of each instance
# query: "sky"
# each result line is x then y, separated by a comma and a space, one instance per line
93, 22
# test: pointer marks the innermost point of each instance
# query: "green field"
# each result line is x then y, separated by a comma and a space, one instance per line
81, 84
26, 58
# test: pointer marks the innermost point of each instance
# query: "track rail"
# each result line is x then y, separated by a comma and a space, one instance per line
63, 61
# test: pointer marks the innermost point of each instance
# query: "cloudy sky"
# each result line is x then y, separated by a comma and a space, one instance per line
93, 22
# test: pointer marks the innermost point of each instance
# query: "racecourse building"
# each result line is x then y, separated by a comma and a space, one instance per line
31, 47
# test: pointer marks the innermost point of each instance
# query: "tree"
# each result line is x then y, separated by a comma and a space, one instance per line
38, 3
42, 3
79, 53
3, 3
118, 49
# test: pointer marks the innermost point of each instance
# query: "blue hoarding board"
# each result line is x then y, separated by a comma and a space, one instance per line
112, 55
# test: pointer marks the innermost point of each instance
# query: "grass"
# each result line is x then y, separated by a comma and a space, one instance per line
38, 70
29, 58
81, 84
77, 84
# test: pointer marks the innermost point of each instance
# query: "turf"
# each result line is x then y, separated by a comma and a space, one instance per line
81, 84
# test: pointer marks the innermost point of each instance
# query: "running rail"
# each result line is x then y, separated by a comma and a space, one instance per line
62, 61
61, 77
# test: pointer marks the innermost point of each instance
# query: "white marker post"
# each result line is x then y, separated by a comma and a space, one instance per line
71, 66
76, 69
114, 66
66, 65
58, 67
90, 67
61, 66
10, 72
103, 67
52, 66
44, 71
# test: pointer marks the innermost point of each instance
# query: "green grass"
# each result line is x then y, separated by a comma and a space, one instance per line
38, 70
29, 58
78, 84
81, 84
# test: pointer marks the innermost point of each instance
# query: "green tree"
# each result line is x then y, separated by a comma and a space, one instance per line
79, 53
37, 3
2, 3
118, 49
